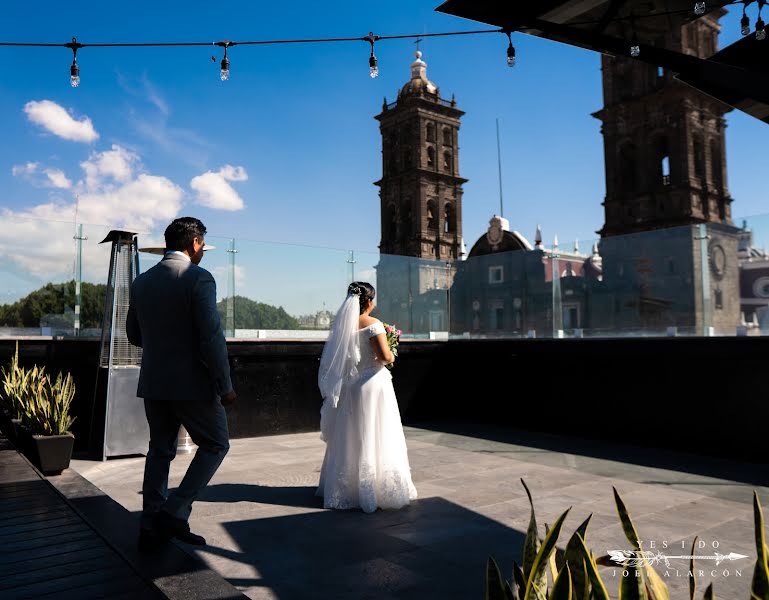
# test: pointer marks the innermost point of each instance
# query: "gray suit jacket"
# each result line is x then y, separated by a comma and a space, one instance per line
173, 318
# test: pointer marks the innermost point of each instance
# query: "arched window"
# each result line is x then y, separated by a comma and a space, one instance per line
449, 222
627, 168
447, 141
391, 222
447, 163
406, 225
430, 132
663, 160
699, 157
431, 157
716, 166
432, 215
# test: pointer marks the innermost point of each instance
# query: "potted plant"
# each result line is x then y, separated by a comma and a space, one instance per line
48, 420
15, 380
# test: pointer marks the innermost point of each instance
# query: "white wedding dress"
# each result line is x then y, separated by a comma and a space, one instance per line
366, 463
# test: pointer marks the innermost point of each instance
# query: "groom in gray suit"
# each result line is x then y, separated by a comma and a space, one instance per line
184, 379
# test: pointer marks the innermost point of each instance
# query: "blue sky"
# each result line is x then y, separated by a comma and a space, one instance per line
287, 150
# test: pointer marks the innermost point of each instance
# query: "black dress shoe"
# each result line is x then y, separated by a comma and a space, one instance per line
168, 526
150, 540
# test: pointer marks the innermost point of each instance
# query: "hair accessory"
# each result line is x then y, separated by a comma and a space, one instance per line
354, 290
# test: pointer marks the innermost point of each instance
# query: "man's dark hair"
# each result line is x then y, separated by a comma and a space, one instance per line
180, 233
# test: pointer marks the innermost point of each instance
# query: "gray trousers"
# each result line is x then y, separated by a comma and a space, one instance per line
206, 422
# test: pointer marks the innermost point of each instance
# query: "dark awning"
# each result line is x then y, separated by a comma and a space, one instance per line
735, 75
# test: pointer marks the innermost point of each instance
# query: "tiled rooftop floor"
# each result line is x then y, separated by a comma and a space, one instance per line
270, 537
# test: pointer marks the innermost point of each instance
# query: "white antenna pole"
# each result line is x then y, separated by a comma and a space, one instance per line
499, 165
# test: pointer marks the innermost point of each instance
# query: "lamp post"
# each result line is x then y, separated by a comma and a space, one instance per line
448, 296
351, 261
231, 289
78, 276
556, 285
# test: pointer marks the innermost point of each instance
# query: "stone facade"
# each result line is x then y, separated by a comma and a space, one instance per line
420, 189
664, 142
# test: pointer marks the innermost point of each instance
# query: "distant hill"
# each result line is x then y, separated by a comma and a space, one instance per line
257, 315
55, 304
56, 299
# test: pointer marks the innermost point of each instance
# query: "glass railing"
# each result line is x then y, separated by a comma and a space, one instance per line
697, 280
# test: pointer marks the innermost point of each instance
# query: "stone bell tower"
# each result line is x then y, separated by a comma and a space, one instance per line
664, 142
420, 189
421, 204
668, 245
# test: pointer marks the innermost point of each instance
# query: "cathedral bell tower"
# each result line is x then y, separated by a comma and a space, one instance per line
664, 142
420, 189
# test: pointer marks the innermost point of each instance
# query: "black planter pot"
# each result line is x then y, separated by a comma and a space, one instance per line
50, 453
10, 427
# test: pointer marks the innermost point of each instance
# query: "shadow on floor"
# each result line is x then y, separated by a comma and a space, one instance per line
262, 494
431, 549
709, 466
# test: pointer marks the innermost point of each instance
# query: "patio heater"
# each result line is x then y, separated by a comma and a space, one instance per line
125, 430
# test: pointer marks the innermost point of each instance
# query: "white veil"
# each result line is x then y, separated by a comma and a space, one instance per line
339, 361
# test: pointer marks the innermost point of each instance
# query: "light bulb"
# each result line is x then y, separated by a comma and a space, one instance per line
74, 75
745, 24
373, 66
699, 8
635, 50
511, 55
760, 29
224, 74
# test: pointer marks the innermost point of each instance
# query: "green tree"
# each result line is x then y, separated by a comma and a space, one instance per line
56, 299
257, 315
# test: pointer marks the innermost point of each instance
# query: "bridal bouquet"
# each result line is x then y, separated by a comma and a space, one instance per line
393, 337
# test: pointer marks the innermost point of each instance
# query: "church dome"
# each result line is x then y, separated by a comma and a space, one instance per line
499, 238
419, 83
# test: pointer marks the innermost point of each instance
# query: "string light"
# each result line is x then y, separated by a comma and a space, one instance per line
635, 48
74, 69
510, 51
373, 67
760, 25
224, 73
745, 22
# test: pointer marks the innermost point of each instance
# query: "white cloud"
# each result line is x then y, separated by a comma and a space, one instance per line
58, 121
214, 191
114, 193
42, 177
57, 179
27, 169
117, 163
231, 173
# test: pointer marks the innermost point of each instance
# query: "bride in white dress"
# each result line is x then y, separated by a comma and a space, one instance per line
366, 463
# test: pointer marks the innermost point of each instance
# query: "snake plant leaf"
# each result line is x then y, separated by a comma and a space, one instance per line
760, 585
573, 558
562, 588
598, 589
531, 544
518, 582
709, 593
692, 579
627, 525
632, 587
552, 561
658, 588
536, 589
495, 585
509, 592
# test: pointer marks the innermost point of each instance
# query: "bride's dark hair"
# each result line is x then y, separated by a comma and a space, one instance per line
364, 290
